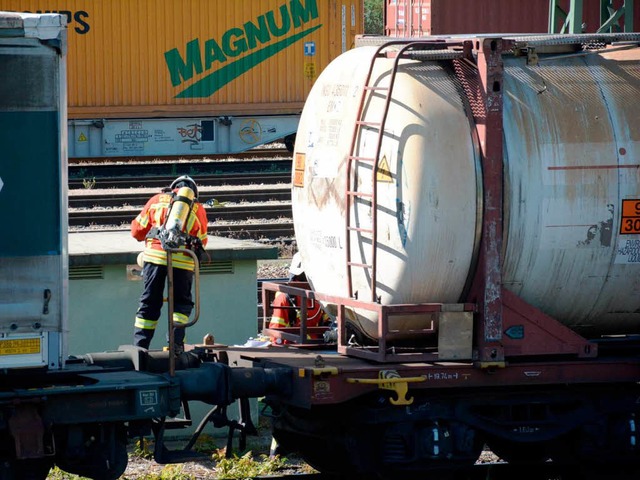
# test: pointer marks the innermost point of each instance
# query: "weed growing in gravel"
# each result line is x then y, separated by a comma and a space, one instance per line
205, 444
57, 474
170, 472
142, 449
246, 467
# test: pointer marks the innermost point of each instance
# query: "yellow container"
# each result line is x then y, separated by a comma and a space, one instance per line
180, 58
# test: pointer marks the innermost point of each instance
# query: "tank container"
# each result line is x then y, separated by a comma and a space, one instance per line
571, 187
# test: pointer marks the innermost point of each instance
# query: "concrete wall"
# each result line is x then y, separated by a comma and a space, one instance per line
102, 311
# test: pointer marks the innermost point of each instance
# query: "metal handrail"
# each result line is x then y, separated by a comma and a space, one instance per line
196, 316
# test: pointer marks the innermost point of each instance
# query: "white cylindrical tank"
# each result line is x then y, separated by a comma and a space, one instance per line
571, 133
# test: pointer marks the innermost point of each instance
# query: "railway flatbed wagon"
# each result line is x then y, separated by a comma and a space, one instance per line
465, 208
158, 78
346, 414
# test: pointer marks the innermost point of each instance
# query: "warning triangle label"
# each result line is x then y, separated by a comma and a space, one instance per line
82, 138
384, 173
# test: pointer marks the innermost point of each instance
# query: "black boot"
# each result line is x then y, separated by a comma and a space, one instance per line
142, 337
178, 340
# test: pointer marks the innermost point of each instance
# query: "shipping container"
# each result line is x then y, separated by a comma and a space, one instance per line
408, 18
33, 184
228, 75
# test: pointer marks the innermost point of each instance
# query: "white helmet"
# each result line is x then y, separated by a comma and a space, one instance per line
296, 265
185, 181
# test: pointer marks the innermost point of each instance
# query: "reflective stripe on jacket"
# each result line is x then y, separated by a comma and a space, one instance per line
280, 317
284, 315
153, 215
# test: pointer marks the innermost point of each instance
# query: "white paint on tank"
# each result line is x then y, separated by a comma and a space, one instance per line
564, 124
423, 256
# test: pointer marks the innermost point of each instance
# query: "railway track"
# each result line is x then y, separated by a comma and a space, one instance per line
248, 199
255, 153
279, 230
203, 171
87, 200
229, 213
159, 181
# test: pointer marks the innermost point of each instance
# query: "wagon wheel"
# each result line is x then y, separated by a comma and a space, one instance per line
33, 469
102, 463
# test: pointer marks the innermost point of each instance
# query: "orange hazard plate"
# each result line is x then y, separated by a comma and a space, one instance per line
21, 346
630, 222
298, 178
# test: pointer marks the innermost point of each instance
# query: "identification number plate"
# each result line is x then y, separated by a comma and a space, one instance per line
20, 346
630, 223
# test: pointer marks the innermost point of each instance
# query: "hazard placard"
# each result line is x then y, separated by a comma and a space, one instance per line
384, 172
298, 165
82, 138
630, 222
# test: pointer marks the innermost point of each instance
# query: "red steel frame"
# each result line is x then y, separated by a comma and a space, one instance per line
296, 335
384, 312
498, 309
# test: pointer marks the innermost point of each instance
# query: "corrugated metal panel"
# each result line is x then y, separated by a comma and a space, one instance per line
118, 50
405, 18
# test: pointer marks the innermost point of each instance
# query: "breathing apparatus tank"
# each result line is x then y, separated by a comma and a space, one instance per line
172, 234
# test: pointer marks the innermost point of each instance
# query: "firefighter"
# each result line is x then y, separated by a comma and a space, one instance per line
285, 312
171, 219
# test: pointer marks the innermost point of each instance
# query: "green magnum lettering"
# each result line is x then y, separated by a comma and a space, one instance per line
178, 68
200, 58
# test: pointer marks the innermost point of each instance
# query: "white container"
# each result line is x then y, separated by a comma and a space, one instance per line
33, 190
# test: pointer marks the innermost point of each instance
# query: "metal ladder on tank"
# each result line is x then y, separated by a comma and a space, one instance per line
357, 161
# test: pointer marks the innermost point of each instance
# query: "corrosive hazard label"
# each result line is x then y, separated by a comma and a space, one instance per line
630, 223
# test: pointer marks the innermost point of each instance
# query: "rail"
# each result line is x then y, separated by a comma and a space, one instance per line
210, 197
88, 182
171, 169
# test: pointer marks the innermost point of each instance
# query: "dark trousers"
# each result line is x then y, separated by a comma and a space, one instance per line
151, 300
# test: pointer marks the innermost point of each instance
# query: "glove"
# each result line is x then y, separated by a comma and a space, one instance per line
195, 245
330, 336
